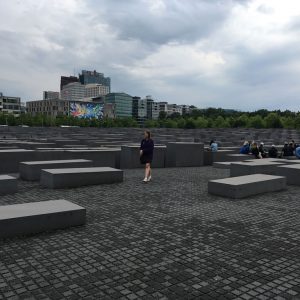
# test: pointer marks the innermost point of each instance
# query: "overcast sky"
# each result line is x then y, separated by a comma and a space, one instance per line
241, 54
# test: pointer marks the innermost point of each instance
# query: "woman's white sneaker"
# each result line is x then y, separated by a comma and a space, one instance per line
145, 179
149, 178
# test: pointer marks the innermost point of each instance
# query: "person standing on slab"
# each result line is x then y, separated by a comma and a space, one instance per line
146, 154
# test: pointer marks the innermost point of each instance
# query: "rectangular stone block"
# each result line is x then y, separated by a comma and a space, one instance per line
10, 159
184, 154
76, 177
31, 170
291, 172
245, 186
35, 217
8, 185
253, 167
130, 157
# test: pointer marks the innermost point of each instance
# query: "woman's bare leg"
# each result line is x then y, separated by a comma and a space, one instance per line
147, 170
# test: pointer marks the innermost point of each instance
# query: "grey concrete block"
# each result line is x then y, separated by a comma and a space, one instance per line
253, 167
291, 172
76, 177
219, 156
8, 185
245, 186
130, 157
35, 217
31, 170
101, 158
184, 154
10, 159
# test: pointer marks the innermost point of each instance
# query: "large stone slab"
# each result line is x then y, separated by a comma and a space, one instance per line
245, 186
35, 217
76, 177
253, 167
10, 159
291, 172
8, 185
184, 154
101, 157
31, 170
130, 157
219, 156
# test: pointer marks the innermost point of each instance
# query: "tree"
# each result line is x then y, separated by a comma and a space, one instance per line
190, 123
256, 122
181, 123
162, 115
273, 121
201, 122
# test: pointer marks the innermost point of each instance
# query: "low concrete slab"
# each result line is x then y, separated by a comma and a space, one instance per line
253, 167
8, 185
245, 186
76, 177
291, 172
181, 154
130, 157
31, 170
35, 217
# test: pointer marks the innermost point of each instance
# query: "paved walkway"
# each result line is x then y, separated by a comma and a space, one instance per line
164, 240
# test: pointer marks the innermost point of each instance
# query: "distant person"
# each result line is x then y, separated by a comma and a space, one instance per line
255, 151
213, 146
245, 149
273, 152
262, 150
297, 152
146, 154
287, 150
295, 146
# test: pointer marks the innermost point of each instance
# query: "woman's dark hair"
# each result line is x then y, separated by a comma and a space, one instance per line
148, 134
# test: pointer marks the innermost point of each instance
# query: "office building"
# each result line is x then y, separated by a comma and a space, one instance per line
93, 90
49, 95
88, 77
51, 108
64, 80
73, 92
155, 111
122, 102
10, 105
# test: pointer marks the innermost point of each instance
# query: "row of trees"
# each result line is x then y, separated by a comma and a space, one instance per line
208, 118
246, 120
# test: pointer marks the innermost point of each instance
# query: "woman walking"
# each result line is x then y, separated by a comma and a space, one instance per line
146, 154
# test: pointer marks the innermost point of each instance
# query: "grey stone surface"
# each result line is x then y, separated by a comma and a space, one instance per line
169, 239
32, 170
30, 218
182, 154
76, 177
8, 185
10, 159
245, 186
291, 172
253, 167
130, 157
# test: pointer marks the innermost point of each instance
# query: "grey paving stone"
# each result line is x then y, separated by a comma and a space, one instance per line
165, 240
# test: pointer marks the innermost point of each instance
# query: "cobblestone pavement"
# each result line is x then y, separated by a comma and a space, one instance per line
165, 240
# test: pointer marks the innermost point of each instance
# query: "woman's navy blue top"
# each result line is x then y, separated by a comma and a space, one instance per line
147, 145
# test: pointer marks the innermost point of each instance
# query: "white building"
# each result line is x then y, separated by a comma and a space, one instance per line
95, 90
74, 91
10, 105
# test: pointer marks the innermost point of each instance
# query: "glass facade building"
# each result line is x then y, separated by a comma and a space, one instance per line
122, 102
89, 77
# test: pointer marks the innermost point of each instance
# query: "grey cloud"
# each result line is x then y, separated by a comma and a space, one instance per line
179, 21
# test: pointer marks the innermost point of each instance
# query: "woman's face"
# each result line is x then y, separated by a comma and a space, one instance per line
145, 135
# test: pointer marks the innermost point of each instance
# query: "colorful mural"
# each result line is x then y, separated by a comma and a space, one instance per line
86, 110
